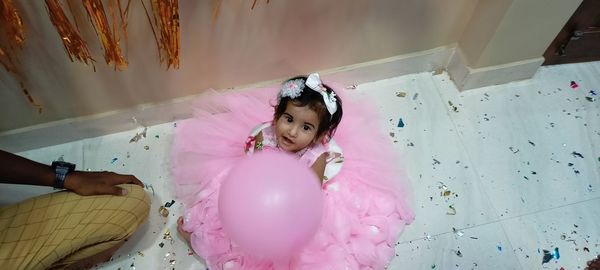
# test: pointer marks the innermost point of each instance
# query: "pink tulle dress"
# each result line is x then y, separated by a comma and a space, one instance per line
366, 189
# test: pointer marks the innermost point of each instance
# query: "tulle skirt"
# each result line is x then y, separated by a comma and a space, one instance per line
367, 205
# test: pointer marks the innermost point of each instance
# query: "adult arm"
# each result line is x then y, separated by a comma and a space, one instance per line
18, 170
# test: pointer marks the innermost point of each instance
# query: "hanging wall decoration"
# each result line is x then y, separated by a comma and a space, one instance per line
74, 44
109, 37
11, 44
165, 21
254, 3
217, 8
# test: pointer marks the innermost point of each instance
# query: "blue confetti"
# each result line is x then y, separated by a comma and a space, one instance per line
499, 247
114, 160
550, 255
593, 93
400, 123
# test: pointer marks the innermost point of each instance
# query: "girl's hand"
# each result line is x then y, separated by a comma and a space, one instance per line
319, 167
99, 183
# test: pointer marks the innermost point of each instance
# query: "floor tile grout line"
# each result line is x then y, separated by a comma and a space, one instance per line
470, 160
462, 143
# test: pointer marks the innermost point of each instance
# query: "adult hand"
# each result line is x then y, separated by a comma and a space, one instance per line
99, 183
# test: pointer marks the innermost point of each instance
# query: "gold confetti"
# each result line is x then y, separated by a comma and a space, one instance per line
439, 71
164, 212
167, 235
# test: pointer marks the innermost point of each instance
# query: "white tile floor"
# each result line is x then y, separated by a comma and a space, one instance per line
520, 164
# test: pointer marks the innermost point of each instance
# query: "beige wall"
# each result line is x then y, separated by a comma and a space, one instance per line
275, 40
271, 42
505, 31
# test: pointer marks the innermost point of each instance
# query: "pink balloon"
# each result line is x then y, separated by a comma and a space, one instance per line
271, 205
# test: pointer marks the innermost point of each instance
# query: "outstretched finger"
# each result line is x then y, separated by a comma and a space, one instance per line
128, 179
136, 181
113, 190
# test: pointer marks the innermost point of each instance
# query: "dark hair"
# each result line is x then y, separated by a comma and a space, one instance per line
327, 123
593, 264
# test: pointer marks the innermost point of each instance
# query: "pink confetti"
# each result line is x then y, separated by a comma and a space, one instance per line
574, 84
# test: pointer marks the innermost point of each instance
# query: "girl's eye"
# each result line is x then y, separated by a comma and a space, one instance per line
306, 128
289, 119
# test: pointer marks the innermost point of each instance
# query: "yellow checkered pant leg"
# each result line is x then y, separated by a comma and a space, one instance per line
57, 229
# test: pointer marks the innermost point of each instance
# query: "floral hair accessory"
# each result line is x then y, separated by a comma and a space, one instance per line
292, 88
314, 82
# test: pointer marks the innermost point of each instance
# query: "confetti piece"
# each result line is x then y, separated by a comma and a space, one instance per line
458, 253
148, 186
156, 136
550, 255
593, 93
168, 204
512, 149
532, 143
499, 247
590, 99
140, 253
147, 147
400, 123
139, 136
161, 244
575, 154
574, 84
167, 235
113, 160
454, 108
457, 232
451, 211
163, 211
401, 94
351, 86
415, 96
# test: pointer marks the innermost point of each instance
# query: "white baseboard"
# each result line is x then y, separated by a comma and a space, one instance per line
73, 129
466, 78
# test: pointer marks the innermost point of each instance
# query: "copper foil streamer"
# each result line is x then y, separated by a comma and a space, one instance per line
109, 36
75, 46
11, 43
166, 23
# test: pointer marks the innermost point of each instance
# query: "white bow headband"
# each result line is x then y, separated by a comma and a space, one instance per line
293, 89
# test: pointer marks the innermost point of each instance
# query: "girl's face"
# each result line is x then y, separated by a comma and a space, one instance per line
296, 128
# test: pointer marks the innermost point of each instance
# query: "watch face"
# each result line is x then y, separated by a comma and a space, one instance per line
61, 169
62, 164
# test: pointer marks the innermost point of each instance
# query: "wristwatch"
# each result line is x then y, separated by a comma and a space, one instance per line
61, 169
